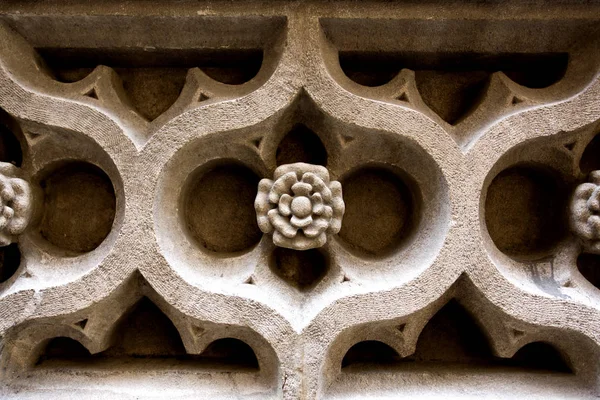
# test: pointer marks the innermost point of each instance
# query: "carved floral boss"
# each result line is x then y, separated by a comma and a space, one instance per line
300, 206
585, 212
15, 204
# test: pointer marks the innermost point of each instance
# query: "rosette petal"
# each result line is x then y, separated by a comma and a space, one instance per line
301, 222
317, 203
21, 207
300, 242
595, 177
302, 189
301, 168
318, 226
3, 221
338, 206
284, 204
5, 239
318, 185
282, 224
594, 224
6, 190
15, 207
281, 186
593, 202
262, 205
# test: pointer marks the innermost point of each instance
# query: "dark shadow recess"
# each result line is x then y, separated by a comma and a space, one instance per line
590, 159
589, 266
10, 147
525, 210
452, 84
146, 333
10, 260
218, 207
301, 145
153, 79
79, 206
301, 269
452, 338
382, 210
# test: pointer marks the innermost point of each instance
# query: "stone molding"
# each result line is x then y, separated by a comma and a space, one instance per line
123, 183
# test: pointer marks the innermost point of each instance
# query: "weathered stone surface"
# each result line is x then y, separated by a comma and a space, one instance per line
464, 136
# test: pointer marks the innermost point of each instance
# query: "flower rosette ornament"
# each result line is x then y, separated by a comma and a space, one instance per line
300, 206
585, 212
15, 204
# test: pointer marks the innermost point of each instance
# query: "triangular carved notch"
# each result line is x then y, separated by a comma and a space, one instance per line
403, 97
81, 324
92, 93
346, 139
256, 142
516, 100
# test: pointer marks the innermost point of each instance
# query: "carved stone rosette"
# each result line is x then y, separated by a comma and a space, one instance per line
585, 212
15, 204
300, 206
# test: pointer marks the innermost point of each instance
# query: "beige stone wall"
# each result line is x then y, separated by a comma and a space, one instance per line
152, 247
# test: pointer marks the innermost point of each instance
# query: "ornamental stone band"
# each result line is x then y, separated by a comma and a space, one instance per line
299, 200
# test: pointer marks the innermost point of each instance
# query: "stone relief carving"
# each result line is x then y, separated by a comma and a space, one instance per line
15, 202
585, 212
300, 206
113, 147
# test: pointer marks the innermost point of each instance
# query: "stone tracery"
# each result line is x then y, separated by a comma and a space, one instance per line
383, 290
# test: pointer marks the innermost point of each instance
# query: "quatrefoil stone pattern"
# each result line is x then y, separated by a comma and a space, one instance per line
585, 212
300, 206
15, 204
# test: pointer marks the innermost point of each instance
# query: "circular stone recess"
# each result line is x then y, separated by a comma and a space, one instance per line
218, 208
380, 211
525, 211
79, 207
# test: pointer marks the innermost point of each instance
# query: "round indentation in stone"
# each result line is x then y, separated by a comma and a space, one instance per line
79, 207
301, 269
218, 207
381, 210
525, 211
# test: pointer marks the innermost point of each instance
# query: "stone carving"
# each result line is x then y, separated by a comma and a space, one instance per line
585, 212
300, 206
436, 159
15, 203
